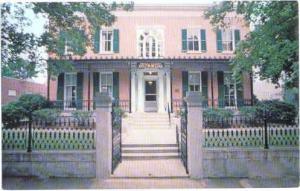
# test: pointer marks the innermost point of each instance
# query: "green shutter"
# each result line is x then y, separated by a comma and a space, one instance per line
97, 40
237, 37
185, 83
60, 89
219, 41
204, 84
221, 89
79, 90
184, 40
203, 40
116, 40
239, 93
116, 85
95, 82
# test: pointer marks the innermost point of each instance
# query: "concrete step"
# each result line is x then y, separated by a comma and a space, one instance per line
176, 150
149, 145
149, 157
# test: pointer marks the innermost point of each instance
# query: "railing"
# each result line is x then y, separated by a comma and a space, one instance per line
249, 132
64, 133
184, 135
215, 103
116, 115
85, 105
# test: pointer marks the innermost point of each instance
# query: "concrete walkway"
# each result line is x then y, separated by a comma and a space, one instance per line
122, 183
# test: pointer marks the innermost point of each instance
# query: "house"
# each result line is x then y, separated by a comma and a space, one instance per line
13, 88
152, 56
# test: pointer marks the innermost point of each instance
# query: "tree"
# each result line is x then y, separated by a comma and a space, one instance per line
272, 47
19, 54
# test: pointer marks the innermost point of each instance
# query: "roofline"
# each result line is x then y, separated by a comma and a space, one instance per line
171, 7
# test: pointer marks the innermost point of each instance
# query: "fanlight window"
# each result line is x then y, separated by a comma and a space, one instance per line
150, 44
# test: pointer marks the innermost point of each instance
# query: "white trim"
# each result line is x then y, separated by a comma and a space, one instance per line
199, 28
65, 90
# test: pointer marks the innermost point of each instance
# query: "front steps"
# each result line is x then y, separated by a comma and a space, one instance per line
149, 151
148, 120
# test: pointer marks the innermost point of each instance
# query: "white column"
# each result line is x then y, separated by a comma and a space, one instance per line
133, 90
168, 88
161, 106
140, 96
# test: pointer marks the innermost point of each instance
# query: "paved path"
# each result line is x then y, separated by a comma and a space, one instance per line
119, 183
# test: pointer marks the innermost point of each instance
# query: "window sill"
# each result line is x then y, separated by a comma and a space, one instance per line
195, 52
106, 53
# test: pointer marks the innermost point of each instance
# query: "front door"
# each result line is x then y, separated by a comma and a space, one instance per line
150, 96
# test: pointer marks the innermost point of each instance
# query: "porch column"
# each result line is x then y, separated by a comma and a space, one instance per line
103, 135
168, 84
133, 90
140, 91
195, 137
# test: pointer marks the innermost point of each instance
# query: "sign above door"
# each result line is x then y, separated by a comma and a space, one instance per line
150, 65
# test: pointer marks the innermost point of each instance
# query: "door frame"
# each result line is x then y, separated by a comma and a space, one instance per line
151, 78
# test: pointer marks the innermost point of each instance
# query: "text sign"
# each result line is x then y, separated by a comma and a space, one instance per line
150, 65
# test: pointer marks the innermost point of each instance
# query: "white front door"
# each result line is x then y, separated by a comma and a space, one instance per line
151, 101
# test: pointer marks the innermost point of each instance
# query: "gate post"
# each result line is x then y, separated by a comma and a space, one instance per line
194, 134
103, 135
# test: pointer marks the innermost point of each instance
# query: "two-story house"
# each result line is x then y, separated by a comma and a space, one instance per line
151, 56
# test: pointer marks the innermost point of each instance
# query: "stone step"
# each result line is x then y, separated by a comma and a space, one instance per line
158, 149
154, 151
149, 157
149, 145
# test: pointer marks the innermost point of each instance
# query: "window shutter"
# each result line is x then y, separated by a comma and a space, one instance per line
184, 40
116, 85
116, 40
204, 85
237, 37
203, 40
96, 83
97, 40
60, 88
239, 93
219, 41
185, 83
79, 90
221, 89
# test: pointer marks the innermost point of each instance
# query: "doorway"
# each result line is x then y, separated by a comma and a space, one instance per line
150, 95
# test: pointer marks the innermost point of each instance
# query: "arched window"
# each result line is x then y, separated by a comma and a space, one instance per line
150, 44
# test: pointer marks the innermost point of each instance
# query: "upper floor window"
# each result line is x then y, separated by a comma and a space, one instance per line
227, 40
193, 36
106, 40
68, 50
150, 43
193, 40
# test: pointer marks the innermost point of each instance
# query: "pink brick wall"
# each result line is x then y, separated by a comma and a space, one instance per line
124, 84
21, 87
176, 84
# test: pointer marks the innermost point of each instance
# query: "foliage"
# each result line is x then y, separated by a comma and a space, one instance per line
46, 114
277, 111
248, 111
272, 47
32, 102
217, 113
119, 111
12, 112
82, 115
19, 53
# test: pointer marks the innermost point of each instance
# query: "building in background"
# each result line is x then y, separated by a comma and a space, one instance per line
12, 89
152, 56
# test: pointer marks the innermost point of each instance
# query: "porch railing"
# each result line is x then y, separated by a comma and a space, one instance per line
85, 105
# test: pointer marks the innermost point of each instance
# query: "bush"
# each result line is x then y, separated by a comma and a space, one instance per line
248, 111
12, 112
277, 111
217, 113
46, 114
82, 115
32, 102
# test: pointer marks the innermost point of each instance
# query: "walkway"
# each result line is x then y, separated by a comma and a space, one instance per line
123, 183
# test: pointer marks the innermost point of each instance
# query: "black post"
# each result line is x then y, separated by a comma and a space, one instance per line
29, 148
266, 129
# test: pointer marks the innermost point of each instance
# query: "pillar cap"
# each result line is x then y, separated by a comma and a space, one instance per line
103, 99
194, 99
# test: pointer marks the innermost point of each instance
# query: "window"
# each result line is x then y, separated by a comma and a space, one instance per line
68, 50
230, 90
106, 82
193, 36
195, 82
70, 90
106, 40
150, 43
227, 40
12, 93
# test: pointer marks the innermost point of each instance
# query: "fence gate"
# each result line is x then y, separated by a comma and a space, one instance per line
116, 136
183, 136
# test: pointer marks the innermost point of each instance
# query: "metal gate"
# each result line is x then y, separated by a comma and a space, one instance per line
183, 135
116, 115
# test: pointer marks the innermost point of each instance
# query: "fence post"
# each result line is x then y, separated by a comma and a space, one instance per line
103, 135
195, 134
29, 148
266, 129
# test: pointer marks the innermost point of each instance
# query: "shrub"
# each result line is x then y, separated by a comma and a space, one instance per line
12, 112
46, 114
248, 111
217, 113
32, 102
82, 115
277, 111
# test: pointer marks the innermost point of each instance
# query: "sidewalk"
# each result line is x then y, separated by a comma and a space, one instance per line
129, 183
